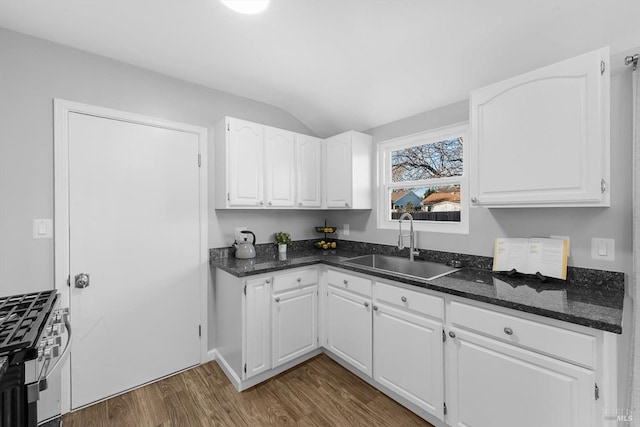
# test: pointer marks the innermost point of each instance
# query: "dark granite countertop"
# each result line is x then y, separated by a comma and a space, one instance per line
590, 298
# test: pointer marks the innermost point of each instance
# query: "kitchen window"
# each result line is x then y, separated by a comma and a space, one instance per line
425, 174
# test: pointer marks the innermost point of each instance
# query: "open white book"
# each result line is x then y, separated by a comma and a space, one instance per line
530, 256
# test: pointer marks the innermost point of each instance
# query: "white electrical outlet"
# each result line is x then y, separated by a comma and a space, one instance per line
239, 236
603, 249
345, 229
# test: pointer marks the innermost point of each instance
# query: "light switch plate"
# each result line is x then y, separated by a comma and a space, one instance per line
345, 229
603, 249
42, 228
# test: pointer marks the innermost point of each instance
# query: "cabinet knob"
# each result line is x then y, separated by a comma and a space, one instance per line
366, 304
404, 299
270, 204
474, 200
278, 299
508, 331
375, 308
299, 203
299, 279
452, 334
346, 204
346, 282
268, 281
261, 203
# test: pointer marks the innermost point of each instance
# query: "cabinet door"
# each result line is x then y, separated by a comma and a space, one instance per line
408, 357
542, 138
245, 163
309, 171
493, 384
295, 324
349, 328
280, 167
257, 327
338, 171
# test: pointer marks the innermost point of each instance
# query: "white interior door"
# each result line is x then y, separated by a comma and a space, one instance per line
134, 227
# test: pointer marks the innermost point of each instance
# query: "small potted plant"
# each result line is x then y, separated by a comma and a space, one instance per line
282, 239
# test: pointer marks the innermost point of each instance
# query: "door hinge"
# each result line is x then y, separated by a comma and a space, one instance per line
69, 281
597, 391
445, 408
603, 185
602, 67
199, 160
229, 197
245, 368
229, 128
200, 330
444, 336
245, 289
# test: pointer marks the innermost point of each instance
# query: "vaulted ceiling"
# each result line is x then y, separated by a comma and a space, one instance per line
335, 64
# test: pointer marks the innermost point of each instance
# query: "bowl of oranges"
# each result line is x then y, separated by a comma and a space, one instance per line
325, 245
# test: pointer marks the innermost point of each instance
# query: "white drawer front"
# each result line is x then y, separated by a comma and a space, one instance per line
349, 282
419, 302
562, 343
296, 279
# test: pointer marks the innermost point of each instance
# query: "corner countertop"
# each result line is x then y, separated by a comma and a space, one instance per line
596, 302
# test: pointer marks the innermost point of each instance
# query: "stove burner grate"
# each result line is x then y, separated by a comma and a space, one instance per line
21, 319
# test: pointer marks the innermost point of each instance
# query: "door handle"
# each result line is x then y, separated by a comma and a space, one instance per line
82, 280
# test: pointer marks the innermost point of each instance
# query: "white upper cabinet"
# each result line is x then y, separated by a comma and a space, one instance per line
280, 167
542, 138
309, 176
245, 147
258, 166
347, 171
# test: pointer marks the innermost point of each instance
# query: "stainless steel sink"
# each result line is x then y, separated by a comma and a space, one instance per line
422, 269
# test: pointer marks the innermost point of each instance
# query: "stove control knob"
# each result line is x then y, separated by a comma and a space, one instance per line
50, 352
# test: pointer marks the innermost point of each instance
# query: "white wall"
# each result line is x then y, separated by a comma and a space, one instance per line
32, 73
580, 224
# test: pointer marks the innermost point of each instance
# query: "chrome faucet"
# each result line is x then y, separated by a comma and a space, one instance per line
412, 248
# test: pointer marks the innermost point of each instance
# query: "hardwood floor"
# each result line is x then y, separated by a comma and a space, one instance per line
318, 392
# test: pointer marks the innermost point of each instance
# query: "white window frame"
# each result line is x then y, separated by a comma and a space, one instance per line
385, 184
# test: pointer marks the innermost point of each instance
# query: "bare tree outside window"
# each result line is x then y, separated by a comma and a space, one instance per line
427, 161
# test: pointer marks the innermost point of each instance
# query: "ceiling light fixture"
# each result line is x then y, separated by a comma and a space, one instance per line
249, 7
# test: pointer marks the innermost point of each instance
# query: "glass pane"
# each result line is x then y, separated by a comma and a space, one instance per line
441, 203
435, 160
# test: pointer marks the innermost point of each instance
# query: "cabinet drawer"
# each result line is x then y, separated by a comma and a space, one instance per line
565, 344
350, 282
425, 304
295, 279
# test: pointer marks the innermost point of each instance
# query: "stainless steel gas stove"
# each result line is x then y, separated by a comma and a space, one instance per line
33, 331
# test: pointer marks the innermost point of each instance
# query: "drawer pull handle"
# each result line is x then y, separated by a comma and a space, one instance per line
452, 334
278, 299
508, 331
366, 304
345, 281
299, 279
404, 299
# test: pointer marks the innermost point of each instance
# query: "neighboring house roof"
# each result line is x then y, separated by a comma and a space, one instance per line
397, 194
408, 197
434, 198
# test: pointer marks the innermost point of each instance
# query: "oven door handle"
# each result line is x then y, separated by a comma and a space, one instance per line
65, 352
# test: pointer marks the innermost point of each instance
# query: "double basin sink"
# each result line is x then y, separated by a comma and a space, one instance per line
391, 264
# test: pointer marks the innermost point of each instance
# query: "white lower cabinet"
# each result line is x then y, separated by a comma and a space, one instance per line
493, 384
348, 322
265, 322
453, 363
295, 323
503, 370
408, 349
257, 327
